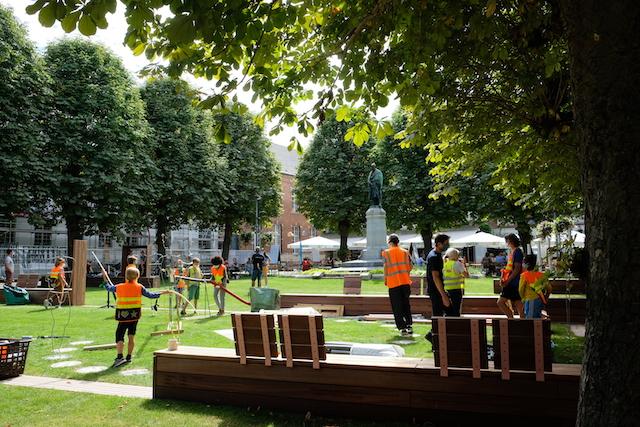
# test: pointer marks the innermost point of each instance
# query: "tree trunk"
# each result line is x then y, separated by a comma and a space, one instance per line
161, 234
343, 228
74, 232
605, 79
427, 234
226, 243
524, 231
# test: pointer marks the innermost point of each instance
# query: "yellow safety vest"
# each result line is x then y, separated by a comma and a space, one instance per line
196, 273
452, 280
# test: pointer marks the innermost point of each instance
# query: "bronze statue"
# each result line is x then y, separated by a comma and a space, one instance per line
375, 186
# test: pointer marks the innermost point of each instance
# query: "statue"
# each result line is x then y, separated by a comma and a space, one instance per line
375, 186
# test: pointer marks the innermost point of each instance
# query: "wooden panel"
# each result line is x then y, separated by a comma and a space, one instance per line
302, 337
522, 345
79, 273
301, 323
352, 285
459, 345
252, 321
416, 285
252, 335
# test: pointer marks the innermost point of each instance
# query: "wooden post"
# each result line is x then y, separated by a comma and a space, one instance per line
240, 333
287, 340
79, 274
539, 349
475, 347
504, 348
313, 339
147, 266
442, 347
266, 345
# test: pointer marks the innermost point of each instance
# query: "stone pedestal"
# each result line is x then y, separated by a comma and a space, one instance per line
376, 234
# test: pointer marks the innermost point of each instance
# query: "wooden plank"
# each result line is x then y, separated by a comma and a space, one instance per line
166, 332
313, 337
538, 349
442, 341
79, 272
242, 352
352, 285
326, 310
265, 340
283, 321
99, 347
475, 347
504, 348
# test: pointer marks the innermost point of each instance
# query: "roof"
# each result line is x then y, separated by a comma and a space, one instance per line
288, 160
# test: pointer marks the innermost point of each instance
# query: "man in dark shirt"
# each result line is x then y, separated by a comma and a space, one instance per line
440, 302
257, 260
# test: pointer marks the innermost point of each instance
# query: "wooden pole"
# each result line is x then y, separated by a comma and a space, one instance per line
79, 274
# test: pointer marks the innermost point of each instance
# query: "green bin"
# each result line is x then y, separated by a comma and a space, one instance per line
15, 295
264, 299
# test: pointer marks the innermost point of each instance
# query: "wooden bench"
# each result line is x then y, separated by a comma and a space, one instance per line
460, 343
29, 280
522, 344
352, 285
255, 336
558, 286
327, 310
360, 305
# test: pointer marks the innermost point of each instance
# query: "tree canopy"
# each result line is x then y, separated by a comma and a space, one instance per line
24, 95
252, 173
331, 183
190, 180
98, 155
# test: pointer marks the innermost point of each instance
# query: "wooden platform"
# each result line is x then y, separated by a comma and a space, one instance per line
359, 305
369, 387
558, 286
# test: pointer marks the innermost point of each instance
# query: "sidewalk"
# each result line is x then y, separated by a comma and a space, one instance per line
95, 387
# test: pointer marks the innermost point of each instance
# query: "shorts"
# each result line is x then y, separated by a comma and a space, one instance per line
9, 277
256, 274
123, 327
511, 293
194, 292
533, 309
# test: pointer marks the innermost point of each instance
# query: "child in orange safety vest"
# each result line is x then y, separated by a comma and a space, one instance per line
219, 278
534, 289
128, 311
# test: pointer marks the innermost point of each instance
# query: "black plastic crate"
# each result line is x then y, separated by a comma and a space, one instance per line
13, 356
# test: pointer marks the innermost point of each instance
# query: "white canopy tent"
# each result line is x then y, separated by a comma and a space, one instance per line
318, 242
479, 239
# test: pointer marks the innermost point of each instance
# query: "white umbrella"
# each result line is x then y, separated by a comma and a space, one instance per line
318, 242
479, 238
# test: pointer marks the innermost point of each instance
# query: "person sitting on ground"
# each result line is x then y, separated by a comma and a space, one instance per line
128, 311
534, 289
306, 264
194, 286
454, 273
219, 278
510, 278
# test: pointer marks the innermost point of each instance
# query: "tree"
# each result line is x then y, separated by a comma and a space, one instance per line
253, 176
98, 154
420, 51
409, 187
331, 182
24, 97
190, 182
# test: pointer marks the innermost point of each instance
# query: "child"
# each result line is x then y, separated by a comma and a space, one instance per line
132, 261
454, 273
534, 288
219, 279
128, 311
58, 279
194, 287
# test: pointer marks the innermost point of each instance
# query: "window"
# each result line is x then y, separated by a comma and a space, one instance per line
294, 205
132, 241
314, 232
296, 233
105, 240
205, 239
277, 234
7, 232
42, 237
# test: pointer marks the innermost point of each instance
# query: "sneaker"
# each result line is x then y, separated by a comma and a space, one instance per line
429, 337
220, 312
119, 361
409, 330
405, 333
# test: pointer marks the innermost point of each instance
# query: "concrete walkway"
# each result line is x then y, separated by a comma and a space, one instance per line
95, 387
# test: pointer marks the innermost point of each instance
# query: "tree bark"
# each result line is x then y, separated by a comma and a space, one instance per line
427, 235
524, 231
161, 232
343, 228
604, 52
74, 232
226, 243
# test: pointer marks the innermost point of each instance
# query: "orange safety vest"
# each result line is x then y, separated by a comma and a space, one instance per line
128, 301
217, 274
181, 282
508, 268
56, 273
397, 267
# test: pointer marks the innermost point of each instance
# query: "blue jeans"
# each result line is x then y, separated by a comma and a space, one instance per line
533, 309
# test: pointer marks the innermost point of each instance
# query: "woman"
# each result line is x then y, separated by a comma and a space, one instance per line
510, 278
219, 278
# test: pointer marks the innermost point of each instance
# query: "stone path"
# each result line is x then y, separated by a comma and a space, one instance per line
95, 387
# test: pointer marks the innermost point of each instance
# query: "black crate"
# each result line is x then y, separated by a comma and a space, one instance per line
13, 356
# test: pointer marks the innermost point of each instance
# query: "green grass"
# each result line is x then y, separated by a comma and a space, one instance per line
97, 324
21, 406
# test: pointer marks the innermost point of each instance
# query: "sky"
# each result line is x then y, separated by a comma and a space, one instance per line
113, 37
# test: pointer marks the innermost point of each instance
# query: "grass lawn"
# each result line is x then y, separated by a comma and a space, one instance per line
22, 406
96, 324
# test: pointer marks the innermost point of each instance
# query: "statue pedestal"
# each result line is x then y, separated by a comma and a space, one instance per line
376, 241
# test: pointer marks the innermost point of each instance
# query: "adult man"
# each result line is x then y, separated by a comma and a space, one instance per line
397, 270
435, 286
9, 267
375, 186
510, 278
257, 262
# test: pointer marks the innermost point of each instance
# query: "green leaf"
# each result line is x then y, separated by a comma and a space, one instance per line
294, 144
181, 30
139, 49
111, 5
47, 15
491, 8
86, 25
343, 113
32, 9
70, 21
